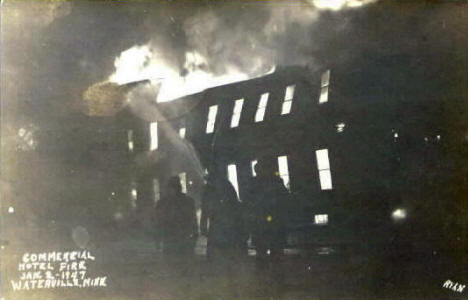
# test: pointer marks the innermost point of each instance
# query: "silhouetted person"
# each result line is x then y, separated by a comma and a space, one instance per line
222, 219
176, 221
266, 212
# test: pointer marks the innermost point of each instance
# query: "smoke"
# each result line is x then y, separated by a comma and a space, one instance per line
225, 43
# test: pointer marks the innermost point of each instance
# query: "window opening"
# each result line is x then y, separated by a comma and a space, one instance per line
323, 165
288, 97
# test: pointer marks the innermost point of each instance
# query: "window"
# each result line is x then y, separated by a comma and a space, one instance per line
210, 124
182, 132
283, 170
262, 105
323, 166
288, 97
236, 114
321, 219
156, 191
232, 176
252, 167
340, 127
133, 194
183, 182
324, 87
154, 136
130, 140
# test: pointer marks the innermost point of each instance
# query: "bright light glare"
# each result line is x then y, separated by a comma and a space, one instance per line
399, 214
11, 210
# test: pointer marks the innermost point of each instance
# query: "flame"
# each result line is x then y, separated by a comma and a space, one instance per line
340, 4
139, 62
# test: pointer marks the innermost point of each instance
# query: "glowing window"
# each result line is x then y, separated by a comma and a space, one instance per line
133, 194
252, 167
232, 176
325, 83
283, 170
11, 210
154, 136
340, 127
130, 140
323, 166
156, 191
321, 219
210, 124
288, 97
236, 114
182, 132
183, 182
262, 105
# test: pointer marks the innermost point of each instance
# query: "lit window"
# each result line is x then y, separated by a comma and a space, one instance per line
236, 114
133, 194
183, 182
340, 127
182, 132
130, 140
156, 191
324, 87
11, 210
210, 124
262, 105
232, 176
252, 166
288, 97
283, 170
321, 219
154, 136
323, 165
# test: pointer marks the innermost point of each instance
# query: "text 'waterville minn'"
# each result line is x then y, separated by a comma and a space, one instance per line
56, 270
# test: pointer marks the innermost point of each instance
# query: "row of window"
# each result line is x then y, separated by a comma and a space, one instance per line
153, 136
237, 111
263, 102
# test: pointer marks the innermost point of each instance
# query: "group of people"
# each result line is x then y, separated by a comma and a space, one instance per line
227, 222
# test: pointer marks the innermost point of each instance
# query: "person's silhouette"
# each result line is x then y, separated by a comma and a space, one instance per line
176, 220
222, 219
266, 207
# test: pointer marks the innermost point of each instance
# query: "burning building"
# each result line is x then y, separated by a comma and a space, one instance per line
360, 151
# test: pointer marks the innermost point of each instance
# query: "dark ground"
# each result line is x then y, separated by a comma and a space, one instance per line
137, 270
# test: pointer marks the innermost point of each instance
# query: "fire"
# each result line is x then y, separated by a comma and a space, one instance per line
140, 62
